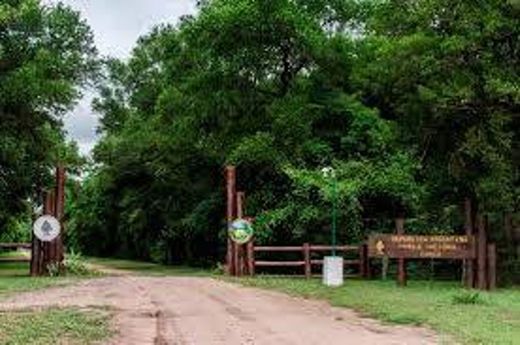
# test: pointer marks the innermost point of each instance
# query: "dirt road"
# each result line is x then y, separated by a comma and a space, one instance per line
200, 311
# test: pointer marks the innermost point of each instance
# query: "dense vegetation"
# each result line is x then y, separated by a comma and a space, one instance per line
46, 53
414, 103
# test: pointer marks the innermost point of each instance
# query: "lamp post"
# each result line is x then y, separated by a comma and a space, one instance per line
330, 173
333, 265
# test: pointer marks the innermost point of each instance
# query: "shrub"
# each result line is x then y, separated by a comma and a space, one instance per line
73, 264
468, 297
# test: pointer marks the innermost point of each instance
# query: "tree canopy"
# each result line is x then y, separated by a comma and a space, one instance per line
46, 55
414, 103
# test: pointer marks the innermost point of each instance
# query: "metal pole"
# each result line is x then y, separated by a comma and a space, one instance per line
334, 215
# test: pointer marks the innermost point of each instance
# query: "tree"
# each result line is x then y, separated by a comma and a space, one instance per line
46, 55
412, 102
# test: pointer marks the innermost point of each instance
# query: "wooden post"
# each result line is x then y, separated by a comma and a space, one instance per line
368, 271
307, 258
35, 256
60, 212
36, 250
492, 265
49, 248
240, 204
468, 272
251, 258
401, 264
240, 249
481, 253
362, 261
231, 200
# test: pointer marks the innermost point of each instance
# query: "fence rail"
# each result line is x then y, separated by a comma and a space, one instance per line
306, 249
15, 246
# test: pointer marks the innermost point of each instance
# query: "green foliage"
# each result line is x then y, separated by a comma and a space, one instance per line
420, 303
52, 326
46, 54
72, 265
412, 103
467, 297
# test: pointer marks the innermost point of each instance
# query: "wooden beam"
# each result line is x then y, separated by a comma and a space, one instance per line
251, 258
307, 259
481, 253
278, 249
58, 251
401, 264
492, 266
230, 216
279, 263
469, 264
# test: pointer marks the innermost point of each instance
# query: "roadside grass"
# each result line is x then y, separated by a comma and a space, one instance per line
14, 254
469, 317
14, 277
53, 326
148, 268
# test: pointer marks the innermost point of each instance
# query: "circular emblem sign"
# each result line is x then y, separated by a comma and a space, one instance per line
46, 228
241, 231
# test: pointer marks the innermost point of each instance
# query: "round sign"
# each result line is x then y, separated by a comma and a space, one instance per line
241, 231
46, 228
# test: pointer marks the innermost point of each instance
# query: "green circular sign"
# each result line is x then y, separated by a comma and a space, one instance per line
241, 231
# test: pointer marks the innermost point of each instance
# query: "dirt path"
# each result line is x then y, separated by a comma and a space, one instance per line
200, 311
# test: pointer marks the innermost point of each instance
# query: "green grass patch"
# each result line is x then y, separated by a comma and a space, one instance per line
15, 254
148, 268
54, 326
468, 317
14, 277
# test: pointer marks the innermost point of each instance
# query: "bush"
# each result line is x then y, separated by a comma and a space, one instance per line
73, 264
468, 298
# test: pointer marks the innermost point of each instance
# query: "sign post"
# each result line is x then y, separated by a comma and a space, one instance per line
422, 247
403, 247
241, 231
46, 228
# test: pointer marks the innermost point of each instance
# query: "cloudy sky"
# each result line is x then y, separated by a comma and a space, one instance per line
116, 24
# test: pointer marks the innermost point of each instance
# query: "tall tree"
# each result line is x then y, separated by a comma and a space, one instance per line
46, 55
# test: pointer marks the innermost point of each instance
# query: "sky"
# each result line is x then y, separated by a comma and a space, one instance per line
117, 24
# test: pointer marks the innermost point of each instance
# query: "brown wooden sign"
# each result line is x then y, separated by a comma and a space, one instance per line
417, 247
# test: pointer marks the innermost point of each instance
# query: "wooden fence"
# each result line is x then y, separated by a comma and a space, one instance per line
15, 246
307, 262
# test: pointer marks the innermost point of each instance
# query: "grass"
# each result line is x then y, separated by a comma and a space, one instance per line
14, 254
54, 326
466, 316
148, 268
14, 277
46, 326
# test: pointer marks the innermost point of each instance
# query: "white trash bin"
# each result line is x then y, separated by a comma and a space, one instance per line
333, 271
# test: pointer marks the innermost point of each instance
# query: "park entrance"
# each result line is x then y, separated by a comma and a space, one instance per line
478, 257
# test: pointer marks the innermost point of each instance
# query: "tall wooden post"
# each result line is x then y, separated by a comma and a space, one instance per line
45, 253
307, 258
38, 247
48, 247
401, 265
231, 209
35, 256
60, 211
468, 264
492, 266
240, 249
251, 258
481, 253
363, 261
